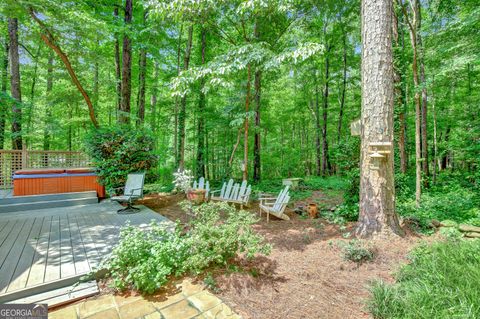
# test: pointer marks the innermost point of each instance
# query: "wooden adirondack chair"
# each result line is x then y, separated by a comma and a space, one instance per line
202, 184
275, 206
233, 193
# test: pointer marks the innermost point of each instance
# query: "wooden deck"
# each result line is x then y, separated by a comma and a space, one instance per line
46, 249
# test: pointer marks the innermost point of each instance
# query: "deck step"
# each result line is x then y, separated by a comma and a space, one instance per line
46, 197
35, 202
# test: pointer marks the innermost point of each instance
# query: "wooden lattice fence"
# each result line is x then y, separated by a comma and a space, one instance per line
12, 160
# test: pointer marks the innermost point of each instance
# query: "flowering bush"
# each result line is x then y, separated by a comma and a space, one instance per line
182, 180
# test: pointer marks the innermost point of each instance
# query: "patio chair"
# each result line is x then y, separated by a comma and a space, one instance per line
202, 184
233, 193
133, 191
275, 206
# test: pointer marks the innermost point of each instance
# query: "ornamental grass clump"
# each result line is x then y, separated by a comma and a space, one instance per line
441, 281
146, 259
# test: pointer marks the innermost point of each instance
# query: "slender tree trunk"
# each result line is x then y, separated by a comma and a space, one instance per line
176, 106
435, 147
183, 106
49, 40
153, 99
257, 163
317, 127
142, 65
15, 86
377, 191
398, 77
118, 67
245, 136
30, 111
344, 87
3, 106
201, 157
49, 105
418, 152
124, 116
325, 162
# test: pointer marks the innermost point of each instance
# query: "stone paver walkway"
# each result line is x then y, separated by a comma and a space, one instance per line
192, 301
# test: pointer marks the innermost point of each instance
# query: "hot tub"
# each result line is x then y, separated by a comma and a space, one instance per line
56, 180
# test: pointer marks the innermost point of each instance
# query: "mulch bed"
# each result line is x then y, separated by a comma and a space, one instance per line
305, 276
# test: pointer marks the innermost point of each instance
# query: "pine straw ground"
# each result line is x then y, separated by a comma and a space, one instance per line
305, 276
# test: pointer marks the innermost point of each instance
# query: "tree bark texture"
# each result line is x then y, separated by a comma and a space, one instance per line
124, 116
377, 191
142, 69
15, 86
257, 163
153, 98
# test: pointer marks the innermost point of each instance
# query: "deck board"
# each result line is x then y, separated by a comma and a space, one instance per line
22, 270
45, 248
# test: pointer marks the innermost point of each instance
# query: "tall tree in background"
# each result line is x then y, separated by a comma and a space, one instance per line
3, 106
201, 110
15, 86
377, 189
413, 27
124, 116
118, 65
257, 163
325, 162
183, 105
49, 104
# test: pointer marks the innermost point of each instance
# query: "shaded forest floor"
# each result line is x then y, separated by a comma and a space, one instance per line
305, 276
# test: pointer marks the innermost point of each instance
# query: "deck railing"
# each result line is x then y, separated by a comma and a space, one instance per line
12, 160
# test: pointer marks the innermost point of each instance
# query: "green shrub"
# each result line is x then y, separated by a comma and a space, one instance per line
456, 204
358, 251
145, 259
117, 151
441, 281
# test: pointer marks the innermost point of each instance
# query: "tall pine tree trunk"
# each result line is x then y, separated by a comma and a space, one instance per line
201, 158
124, 116
377, 191
317, 127
182, 114
15, 86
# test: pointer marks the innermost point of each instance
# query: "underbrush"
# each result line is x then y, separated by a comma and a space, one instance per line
145, 259
306, 187
441, 281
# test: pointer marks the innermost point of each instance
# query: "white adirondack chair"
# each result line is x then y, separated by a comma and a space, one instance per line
233, 193
275, 206
202, 184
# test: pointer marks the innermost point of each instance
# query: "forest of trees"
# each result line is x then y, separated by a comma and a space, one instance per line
267, 86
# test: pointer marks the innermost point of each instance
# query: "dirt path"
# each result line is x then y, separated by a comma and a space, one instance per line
305, 276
